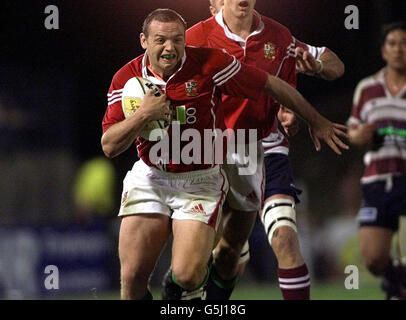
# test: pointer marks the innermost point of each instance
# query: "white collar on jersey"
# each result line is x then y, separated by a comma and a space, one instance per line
232, 36
154, 80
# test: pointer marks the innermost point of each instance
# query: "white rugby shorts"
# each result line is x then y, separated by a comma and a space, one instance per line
196, 195
246, 191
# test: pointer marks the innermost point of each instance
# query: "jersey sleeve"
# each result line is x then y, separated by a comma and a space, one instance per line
114, 112
314, 51
239, 79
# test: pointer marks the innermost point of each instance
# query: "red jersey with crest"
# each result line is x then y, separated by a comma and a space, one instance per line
271, 47
196, 87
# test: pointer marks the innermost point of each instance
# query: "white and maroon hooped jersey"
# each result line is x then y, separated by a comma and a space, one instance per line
196, 87
271, 48
374, 103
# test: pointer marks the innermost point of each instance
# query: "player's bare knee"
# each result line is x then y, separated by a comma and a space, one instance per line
189, 276
226, 252
284, 241
226, 260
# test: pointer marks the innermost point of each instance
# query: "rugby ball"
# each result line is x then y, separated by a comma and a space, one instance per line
131, 99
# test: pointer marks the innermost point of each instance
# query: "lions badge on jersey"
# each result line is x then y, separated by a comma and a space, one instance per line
269, 51
191, 88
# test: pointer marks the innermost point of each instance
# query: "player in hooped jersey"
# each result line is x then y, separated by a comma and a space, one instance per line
378, 120
266, 44
181, 198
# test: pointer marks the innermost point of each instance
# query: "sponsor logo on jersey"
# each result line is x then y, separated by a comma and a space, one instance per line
367, 214
269, 51
191, 88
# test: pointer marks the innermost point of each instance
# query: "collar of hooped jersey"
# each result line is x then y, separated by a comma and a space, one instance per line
232, 36
380, 78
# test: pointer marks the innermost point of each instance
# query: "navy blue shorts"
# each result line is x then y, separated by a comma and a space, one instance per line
279, 178
382, 203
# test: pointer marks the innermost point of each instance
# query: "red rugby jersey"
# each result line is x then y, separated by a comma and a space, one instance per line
271, 48
196, 87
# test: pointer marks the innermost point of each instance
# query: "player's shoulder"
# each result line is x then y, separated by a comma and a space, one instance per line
369, 81
204, 25
368, 86
272, 26
208, 59
198, 33
130, 69
205, 54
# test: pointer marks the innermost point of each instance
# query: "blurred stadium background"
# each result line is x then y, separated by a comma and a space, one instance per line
59, 196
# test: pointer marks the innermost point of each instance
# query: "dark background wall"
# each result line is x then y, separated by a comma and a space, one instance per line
61, 77
53, 86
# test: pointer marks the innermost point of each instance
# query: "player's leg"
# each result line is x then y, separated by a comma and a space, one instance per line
244, 259
375, 246
195, 222
401, 254
192, 245
243, 200
399, 185
285, 242
402, 240
226, 256
141, 240
226, 267
279, 219
383, 203
145, 227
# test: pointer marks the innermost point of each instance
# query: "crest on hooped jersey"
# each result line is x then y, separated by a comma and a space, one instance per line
191, 88
269, 51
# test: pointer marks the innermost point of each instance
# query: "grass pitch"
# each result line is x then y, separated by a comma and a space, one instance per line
331, 290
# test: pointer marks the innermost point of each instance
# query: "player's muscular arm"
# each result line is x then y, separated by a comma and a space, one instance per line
330, 67
333, 67
320, 127
120, 136
361, 134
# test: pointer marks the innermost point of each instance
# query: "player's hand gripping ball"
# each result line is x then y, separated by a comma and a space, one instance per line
132, 95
